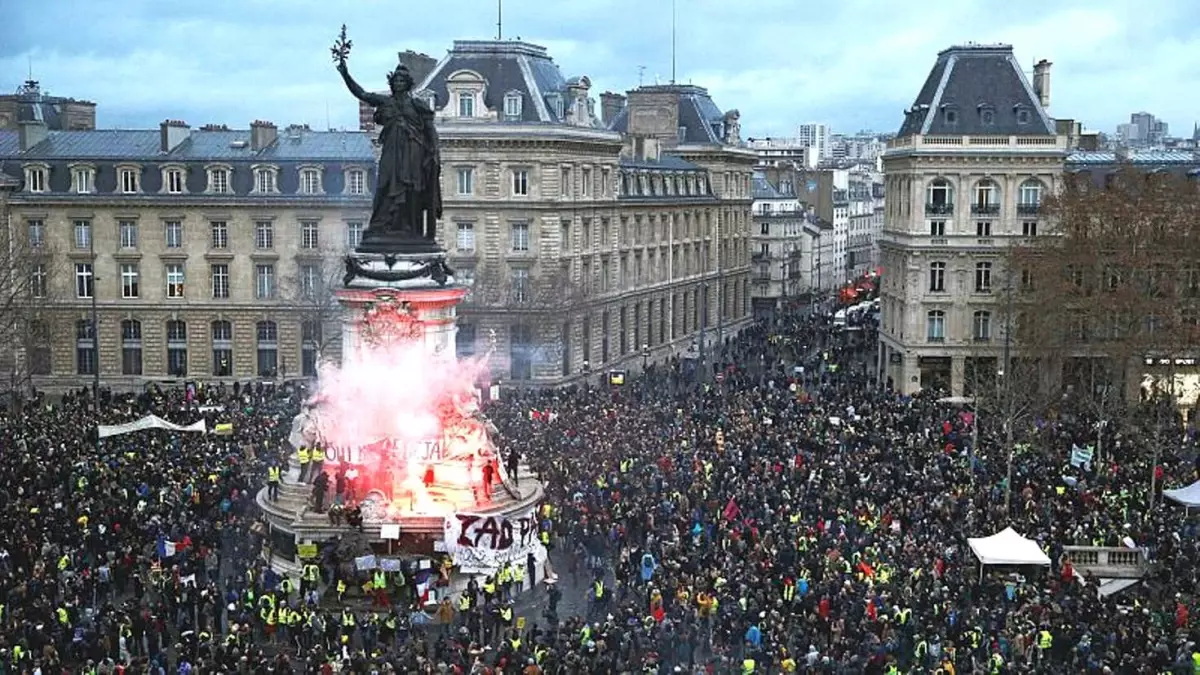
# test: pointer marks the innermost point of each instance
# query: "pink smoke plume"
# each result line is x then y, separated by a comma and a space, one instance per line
398, 391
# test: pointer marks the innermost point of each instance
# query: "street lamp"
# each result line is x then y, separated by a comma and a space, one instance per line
645, 356
95, 324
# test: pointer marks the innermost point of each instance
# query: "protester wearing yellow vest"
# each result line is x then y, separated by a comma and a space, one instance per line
273, 477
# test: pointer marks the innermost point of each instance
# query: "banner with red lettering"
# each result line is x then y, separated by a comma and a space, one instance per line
480, 541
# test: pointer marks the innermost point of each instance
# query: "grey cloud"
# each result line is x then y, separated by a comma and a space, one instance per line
854, 64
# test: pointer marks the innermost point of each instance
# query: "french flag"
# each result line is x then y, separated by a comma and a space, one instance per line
166, 549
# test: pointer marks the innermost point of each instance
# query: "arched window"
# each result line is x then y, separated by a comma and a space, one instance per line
939, 198
222, 348
131, 347
85, 347
268, 349
1029, 199
310, 347
987, 198
177, 353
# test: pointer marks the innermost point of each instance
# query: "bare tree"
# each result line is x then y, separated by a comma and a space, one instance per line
26, 270
1119, 280
1114, 292
313, 299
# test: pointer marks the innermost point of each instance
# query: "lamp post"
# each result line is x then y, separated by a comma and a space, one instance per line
587, 371
645, 356
95, 323
1007, 391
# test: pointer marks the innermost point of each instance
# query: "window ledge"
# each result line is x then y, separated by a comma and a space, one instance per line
264, 255
127, 255
173, 255
218, 254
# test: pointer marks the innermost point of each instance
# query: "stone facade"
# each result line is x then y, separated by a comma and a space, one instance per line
964, 180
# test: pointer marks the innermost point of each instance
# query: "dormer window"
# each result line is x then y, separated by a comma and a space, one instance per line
466, 105
987, 116
1023, 116
356, 182
37, 178
556, 105
129, 179
512, 105
310, 180
950, 116
218, 180
173, 180
264, 180
83, 179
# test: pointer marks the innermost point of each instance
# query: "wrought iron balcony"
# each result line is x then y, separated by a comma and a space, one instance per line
1029, 209
939, 209
985, 209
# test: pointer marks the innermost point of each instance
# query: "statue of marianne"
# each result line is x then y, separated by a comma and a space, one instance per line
408, 196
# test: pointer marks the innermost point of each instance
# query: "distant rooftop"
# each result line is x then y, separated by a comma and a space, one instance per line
1102, 157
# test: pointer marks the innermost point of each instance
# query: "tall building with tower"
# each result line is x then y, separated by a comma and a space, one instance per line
965, 177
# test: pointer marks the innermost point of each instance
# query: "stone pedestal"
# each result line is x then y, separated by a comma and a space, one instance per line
379, 315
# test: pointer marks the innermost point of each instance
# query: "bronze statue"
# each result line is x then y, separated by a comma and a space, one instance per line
408, 194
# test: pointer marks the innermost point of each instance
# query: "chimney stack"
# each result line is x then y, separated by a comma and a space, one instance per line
262, 134
1041, 82
171, 134
31, 133
611, 105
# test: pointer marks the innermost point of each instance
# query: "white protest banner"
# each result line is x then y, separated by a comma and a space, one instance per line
486, 541
148, 422
365, 562
1081, 456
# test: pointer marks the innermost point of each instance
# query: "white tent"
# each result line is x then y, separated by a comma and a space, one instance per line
1188, 496
1008, 548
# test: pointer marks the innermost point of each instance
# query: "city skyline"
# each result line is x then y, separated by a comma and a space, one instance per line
271, 61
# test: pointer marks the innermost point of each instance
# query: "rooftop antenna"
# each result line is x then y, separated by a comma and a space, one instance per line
672, 41
499, 20
29, 60
328, 124
641, 73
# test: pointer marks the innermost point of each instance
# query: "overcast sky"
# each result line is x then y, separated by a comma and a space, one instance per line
855, 64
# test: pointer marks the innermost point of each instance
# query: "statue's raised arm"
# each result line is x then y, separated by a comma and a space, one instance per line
341, 52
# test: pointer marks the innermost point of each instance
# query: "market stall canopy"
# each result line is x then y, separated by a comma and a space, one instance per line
1008, 548
1188, 496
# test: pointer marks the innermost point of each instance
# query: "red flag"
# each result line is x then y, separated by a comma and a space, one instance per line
731, 511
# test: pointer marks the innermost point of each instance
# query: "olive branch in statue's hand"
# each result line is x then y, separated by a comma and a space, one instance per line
341, 48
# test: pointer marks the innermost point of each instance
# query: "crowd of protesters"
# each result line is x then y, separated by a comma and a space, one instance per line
783, 513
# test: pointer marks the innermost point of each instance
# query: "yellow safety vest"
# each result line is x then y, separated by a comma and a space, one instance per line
516, 644
599, 590
303, 452
747, 666
1045, 639
464, 603
273, 474
506, 614
312, 572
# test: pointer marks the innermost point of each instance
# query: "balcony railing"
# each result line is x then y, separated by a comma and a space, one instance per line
1029, 209
967, 143
985, 209
759, 256
939, 209
780, 214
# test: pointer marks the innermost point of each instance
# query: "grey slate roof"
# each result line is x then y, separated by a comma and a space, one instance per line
143, 145
335, 150
700, 115
507, 67
761, 188
969, 80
